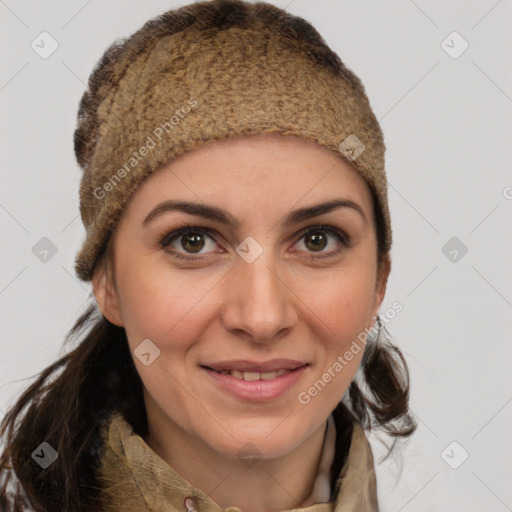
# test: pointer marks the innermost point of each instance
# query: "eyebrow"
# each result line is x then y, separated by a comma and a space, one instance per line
224, 217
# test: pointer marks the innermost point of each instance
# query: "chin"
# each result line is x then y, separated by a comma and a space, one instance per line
250, 444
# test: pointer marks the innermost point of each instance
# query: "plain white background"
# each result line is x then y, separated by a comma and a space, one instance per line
447, 122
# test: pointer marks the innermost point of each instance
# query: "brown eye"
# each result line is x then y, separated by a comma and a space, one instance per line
189, 240
326, 241
316, 241
192, 242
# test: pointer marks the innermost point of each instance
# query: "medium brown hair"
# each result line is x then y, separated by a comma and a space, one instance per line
72, 400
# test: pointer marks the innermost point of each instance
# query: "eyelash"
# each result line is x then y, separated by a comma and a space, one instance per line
169, 237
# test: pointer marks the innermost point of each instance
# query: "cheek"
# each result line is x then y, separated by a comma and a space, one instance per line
342, 311
169, 310
166, 308
344, 301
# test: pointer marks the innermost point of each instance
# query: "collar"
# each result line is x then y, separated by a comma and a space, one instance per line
133, 478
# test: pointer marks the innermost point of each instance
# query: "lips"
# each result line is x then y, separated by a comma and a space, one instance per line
237, 366
256, 386
250, 376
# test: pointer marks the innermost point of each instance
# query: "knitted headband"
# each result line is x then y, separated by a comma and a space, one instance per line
192, 87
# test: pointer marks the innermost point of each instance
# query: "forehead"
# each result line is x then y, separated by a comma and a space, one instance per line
253, 171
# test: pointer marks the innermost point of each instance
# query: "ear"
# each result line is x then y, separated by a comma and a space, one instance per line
105, 294
380, 288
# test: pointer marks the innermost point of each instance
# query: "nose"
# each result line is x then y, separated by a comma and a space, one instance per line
259, 303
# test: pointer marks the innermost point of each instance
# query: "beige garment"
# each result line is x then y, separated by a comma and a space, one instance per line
321, 492
135, 479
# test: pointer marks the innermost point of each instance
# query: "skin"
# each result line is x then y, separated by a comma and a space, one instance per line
218, 307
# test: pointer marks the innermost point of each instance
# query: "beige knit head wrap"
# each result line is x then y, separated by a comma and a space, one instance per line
240, 69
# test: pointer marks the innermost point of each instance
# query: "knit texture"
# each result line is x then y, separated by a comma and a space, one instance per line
193, 88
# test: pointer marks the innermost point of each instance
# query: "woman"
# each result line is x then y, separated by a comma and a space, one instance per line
238, 236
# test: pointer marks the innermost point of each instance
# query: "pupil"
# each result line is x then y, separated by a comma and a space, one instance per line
318, 241
194, 241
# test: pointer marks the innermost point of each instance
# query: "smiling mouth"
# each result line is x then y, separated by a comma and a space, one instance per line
257, 386
252, 376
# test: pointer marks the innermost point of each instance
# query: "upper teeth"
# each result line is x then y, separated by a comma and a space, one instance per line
254, 375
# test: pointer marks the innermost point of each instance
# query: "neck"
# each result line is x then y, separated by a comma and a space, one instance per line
260, 485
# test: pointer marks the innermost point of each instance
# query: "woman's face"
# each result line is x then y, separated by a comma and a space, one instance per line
255, 278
